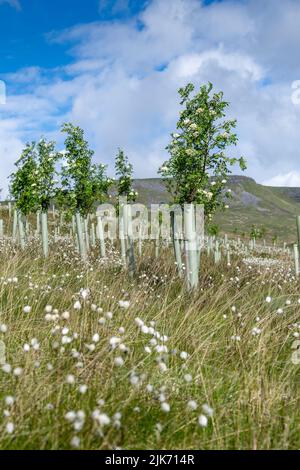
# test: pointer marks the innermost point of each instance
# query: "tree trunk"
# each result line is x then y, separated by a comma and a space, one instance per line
176, 244
21, 230
122, 234
191, 246
86, 234
101, 237
80, 237
296, 259
93, 236
15, 225
130, 244
45, 237
38, 223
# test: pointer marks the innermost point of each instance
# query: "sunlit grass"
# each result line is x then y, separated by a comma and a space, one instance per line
223, 346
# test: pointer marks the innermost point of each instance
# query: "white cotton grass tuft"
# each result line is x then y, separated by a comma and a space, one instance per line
70, 379
119, 361
85, 293
65, 315
70, 416
134, 380
114, 341
207, 410
75, 442
77, 305
192, 405
9, 400
3, 328
6, 368
203, 421
139, 322
165, 407
83, 389
10, 427
188, 378
256, 331
17, 371
96, 338
162, 367
183, 355
101, 418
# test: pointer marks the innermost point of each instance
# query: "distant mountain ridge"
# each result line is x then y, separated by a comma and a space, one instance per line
274, 208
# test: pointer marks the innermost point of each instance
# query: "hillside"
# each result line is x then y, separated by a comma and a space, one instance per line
271, 207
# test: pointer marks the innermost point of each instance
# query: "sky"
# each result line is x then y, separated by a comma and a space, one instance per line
114, 67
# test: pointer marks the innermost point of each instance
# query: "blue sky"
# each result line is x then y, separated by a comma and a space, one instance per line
114, 67
24, 28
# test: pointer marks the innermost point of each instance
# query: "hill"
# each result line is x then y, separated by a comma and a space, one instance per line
273, 208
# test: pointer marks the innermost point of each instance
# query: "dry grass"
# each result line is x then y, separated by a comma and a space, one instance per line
247, 379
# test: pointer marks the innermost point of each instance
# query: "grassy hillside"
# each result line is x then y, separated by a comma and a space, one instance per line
252, 203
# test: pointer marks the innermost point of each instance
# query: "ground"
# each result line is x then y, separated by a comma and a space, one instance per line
95, 359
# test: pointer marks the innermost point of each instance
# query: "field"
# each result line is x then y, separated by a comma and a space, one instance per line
149, 230
96, 359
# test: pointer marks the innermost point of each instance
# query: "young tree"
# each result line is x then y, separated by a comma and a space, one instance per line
274, 239
254, 232
46, 158
101, 187
213, 230
82, 182
23, 186
100, 184
198, 166
124, 172
257, 233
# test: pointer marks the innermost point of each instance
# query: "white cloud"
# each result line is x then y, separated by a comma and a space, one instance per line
10, 146
121, 84
291, 179
189, 65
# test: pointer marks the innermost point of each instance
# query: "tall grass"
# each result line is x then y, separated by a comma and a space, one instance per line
223, 346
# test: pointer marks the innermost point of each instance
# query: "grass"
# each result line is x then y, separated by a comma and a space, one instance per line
246, 376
